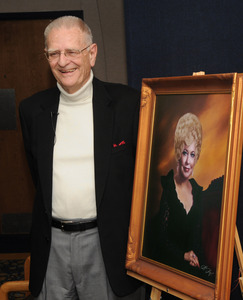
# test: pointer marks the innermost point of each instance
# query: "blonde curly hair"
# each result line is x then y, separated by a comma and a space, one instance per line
188, 130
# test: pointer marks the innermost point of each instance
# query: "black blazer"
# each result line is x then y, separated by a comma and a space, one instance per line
116, 112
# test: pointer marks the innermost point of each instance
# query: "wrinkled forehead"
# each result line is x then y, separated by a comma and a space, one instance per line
65, 37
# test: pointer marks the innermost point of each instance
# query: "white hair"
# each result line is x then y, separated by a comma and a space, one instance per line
69, 22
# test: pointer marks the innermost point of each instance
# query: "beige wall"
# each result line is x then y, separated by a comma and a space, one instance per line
106, 19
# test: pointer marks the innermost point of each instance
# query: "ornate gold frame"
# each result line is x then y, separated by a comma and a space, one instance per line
156, 274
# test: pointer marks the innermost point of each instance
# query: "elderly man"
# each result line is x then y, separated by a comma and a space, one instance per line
80, 141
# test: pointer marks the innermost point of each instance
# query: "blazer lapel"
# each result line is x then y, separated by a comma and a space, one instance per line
46, 139
103, 124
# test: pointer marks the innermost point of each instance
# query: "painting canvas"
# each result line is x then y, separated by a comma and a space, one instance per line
202, 219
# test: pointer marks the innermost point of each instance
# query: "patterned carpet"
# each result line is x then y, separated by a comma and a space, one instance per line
11, 270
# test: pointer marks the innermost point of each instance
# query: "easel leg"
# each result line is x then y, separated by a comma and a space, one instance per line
239, 255
155, 294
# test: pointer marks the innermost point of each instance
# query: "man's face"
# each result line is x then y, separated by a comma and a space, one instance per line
71, 73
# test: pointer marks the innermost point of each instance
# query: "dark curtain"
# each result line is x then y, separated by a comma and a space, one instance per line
176, 38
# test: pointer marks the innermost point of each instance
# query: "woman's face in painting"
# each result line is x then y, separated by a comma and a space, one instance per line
187, 161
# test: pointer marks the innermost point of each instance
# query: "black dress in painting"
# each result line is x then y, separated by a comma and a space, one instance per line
173, 231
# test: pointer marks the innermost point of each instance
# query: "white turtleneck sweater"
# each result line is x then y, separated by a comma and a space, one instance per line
73, 193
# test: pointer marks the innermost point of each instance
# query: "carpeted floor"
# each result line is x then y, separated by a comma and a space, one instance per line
10, 270
13, 269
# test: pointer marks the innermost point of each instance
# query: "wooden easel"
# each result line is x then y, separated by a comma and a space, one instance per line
239, 254
156, 293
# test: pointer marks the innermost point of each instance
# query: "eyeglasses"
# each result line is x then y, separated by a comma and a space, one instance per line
69, 53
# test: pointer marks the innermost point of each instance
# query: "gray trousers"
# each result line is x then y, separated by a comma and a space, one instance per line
76, 269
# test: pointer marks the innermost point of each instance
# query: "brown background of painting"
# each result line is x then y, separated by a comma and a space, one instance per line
213, 111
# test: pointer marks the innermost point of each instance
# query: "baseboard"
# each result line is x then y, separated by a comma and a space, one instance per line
14, 243
4, 256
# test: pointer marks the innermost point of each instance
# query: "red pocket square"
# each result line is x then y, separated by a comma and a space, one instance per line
121, 143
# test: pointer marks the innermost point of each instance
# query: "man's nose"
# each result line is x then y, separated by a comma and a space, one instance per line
62, 59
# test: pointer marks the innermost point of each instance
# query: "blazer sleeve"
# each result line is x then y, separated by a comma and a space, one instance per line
26, 134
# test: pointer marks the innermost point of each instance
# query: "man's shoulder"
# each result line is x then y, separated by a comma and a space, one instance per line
40, 97
116, 89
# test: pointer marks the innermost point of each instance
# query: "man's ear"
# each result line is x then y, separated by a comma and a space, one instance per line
93, 54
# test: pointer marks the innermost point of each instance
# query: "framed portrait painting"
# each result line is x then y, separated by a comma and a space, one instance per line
183, 216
